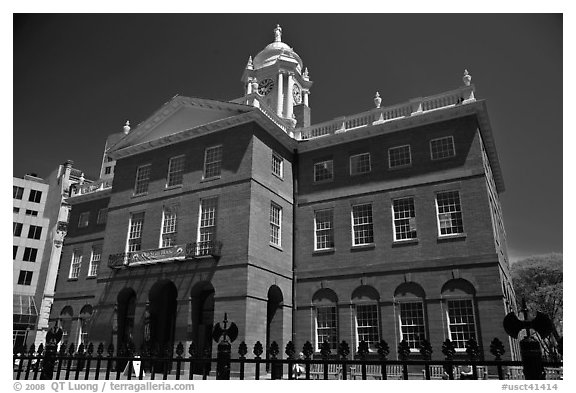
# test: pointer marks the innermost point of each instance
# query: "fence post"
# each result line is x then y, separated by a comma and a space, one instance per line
223, 357
497, 349
49, 360
449, 351
531, 358
276, 367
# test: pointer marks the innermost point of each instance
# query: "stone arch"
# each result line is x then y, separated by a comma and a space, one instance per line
458, 287
274, 318
460, 311
365, 293
162, 307
202, 316
126, 310
411, 313
365, 300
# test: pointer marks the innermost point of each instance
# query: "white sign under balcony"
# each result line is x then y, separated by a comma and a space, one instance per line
157, 255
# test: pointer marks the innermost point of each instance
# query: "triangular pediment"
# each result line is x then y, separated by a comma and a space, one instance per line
178, 115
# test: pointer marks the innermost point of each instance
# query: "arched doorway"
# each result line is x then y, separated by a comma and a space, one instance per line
162, 297
274, 319
84, 322
202, 314
126, 309
66, 325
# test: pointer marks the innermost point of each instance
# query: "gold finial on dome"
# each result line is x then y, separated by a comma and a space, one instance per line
278, 34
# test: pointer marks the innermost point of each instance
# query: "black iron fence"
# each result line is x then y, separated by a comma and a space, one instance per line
93, 364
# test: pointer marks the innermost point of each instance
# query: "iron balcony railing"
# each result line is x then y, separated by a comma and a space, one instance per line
181, 252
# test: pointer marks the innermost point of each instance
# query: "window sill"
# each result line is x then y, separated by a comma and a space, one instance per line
281, 178
175, 186
139, 195
279, 248
443, 158
324, 252
72, 279
209, 179
91, 277
402, 243
449, 238
363, 247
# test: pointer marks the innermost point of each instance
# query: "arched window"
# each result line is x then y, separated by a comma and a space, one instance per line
365, 299
66, 323
409, 299
325, 304
459, 305
85, 315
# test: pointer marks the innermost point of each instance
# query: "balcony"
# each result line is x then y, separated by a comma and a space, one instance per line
188, 251
99, 185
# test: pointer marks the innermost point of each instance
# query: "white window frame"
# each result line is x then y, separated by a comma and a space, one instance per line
207, 224
328, 166
404, 165
275, 224
76, 264
446, 301
334, 309
352, 166
444, 156
169, 229
371, 344
319, 231
411, 220
277, 165
95, 259
449, 213
215, 161
84, 219
135, 229
400, 324
370, 224
175, 171
142, 181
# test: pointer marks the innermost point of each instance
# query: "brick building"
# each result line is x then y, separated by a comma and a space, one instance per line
381, 225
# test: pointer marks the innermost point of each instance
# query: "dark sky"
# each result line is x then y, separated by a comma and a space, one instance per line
77, 78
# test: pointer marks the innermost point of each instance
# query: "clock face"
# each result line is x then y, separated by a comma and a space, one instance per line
297, 94
265, 86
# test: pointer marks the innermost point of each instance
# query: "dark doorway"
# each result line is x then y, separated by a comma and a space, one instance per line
274, 320
162, 297
126, 310
202, 304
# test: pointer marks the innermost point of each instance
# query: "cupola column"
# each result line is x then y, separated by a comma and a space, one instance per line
289, 98
305, 94
280, 100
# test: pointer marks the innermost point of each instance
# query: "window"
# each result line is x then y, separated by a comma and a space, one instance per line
442, 148
212, 161
169, 218
17, 192
367, 324
362, 229
412, 323
17, 228
275, 224
83, 219
95, 261
25, 277
102, 216
449, 213
107, 170
30, 254
461, 324
324, 229
175, 171
207, 226
76, 264
277, 165
404, 219
14, 251
399, 156
135, 232
323, 171
142, 180
16, 209
32, 213
34, 232
35, 196
326, 328
359, 164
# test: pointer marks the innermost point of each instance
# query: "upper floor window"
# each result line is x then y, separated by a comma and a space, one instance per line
207, 225
17, 228
14, 251
275, 224
362, 226
277, 165
169, 229
102, 216
399, 156
32, 213
360, 163
35, 196
95, 261
17, 192
323, 170
135, 232
142, 179
175, 171
30, 254
442, 148
212, 161
449, 213
404, 219
34, 232
25, 277
107, 170
15, 209
76, 264
83, 219
324, 229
